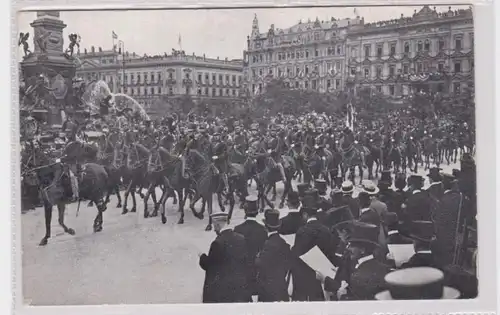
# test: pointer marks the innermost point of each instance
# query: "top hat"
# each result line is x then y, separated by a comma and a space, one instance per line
347, 187
301, 188
370, 188
391, 220
219, 216
251, 205
434, 173
364, 234
313, 192
293, 198
339, 217
456, 172
415, 179
320, 185
335, 193
419, 283
310, 201
422, 230
400, 180
272, 218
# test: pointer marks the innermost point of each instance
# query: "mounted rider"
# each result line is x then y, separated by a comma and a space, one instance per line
221, 160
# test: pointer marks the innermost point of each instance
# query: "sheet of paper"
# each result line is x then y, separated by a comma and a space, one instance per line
401, 253
318, 261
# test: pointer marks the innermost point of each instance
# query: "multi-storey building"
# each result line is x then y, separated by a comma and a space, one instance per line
430, 51
149, 78
308, 55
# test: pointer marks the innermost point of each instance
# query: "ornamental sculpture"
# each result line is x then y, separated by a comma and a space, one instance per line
23, 40
74, 40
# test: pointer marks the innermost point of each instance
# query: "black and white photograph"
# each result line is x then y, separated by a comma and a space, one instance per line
247, 155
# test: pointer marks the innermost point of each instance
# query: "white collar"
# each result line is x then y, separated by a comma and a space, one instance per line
320, 210
365, 209
225, 229
251, 219
293, 210
363, 259
425, 251
272, 233
416, 191
447, 191
311, 219
392, 232
436, 183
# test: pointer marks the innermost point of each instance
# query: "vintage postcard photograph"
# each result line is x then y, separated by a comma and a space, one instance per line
247, 155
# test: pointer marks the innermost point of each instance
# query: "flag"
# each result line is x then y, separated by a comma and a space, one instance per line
179, 41
349, 122
355, 11
113, 34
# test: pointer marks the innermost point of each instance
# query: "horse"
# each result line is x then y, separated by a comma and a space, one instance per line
412, 154
375, 156
55, 183
352, 156
109, 155
430, 149
207, 182
450, 148
392, 155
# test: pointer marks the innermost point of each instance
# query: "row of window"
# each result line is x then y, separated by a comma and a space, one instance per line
298, 54
418, 46
299, 70
314, 84
421, 67
185, 90
229, 79
405, 89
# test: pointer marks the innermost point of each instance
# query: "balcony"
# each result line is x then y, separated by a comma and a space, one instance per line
170, 81
187, 82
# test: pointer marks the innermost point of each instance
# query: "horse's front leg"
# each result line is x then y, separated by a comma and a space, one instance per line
287, 189
60, 209
209, 202
231, 204
48, 220
146, 199
221, 202
194, 199
127, 193
98, 222
273, 199
155, 201
182, 200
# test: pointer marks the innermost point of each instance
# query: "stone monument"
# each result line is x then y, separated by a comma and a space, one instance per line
48, 70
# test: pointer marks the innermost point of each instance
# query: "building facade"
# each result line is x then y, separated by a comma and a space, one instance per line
428, 52
308, 55
150, 78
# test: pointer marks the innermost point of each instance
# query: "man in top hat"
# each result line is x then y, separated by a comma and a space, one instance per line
386, 194
273, 262
418, 206
302, 188
446, 221
422, 233
255, 235
347, 188
226, 277
291, 223
435, 189
367, 278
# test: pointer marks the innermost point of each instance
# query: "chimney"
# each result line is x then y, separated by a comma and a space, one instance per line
217, 57
225, 59
85, 51
203, 56
92, 49
100, 49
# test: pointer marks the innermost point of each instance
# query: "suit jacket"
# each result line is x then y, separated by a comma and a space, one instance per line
291, 223
397, 238
422, 260
353, 204
419, 207
370, 216
445, 223
255, 236
225, 267
367, 280
273, 264
436, 190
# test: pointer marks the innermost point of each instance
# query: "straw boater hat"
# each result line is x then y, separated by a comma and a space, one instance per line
347, 187
419, 283
370, 188
219, 216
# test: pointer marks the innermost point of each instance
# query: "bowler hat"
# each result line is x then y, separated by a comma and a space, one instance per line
293, 197
400, 181
272, 218
434, 173
418, 283
251, 205
391, 220
364, 234
422, 231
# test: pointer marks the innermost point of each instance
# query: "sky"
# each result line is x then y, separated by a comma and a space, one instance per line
216, 33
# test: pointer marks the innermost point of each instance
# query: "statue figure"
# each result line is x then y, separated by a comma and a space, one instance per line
41, 40
23, 40
37, 91
74, 40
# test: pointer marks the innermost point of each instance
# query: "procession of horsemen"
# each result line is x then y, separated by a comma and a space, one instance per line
351, 187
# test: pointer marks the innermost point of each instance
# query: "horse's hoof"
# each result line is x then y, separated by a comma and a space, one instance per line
163, 219
155, 213
181, 220
228, 221
208, 228
146, 215
119, 205
261, 210
90, 204
199, 216
70, 231
97, 229
44, 241
125, 211
223, 209
281, 206
133, 209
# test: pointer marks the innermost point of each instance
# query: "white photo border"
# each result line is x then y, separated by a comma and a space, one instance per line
486, 303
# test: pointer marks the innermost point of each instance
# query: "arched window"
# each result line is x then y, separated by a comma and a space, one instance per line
427, 46
419, 46
407, 47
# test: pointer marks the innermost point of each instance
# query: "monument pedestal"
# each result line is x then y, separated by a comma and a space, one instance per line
49, 60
